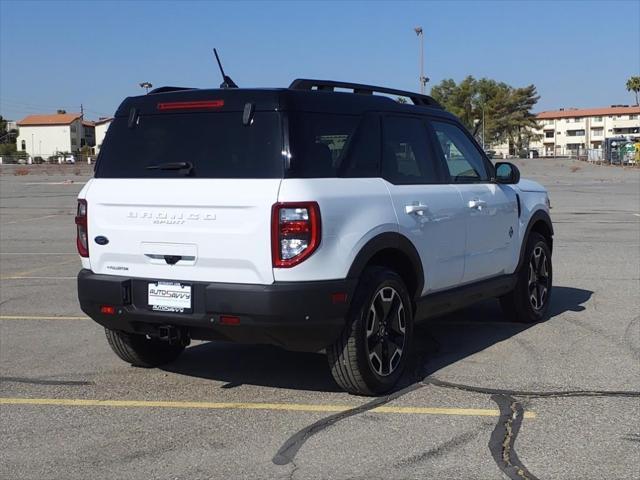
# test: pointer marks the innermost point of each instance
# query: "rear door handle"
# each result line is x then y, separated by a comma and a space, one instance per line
416, 209
477, 204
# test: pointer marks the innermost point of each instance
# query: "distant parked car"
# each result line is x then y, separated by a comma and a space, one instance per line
38, 160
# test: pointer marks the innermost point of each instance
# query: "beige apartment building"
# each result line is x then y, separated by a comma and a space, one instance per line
571, 130
565, 131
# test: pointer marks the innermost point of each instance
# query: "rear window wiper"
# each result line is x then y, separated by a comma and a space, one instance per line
188, 166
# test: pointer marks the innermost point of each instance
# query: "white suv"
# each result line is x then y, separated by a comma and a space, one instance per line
302, 217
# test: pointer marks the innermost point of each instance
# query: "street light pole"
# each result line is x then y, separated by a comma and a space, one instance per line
483, 124
146, 86
422, 80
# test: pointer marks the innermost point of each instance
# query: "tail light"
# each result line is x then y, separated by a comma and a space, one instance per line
82, 240
295, 232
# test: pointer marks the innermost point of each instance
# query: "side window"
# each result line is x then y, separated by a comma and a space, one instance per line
362, 157
462, 158
405, 152
318, 143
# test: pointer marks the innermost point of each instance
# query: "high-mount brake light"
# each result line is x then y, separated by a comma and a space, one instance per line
295, 232
82, 238
195, 105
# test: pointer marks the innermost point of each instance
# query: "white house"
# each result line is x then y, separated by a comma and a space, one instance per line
46, 135
101, 127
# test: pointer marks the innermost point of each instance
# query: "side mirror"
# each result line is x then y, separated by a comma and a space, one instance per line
507, 173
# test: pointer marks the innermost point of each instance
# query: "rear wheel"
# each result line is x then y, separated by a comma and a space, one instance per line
529, 300
141, 351
370, 355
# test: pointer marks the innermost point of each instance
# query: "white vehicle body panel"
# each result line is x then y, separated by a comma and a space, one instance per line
352, 210
437, 230
221, 228
491, 212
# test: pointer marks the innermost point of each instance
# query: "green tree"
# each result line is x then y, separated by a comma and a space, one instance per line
507, 110
633, 85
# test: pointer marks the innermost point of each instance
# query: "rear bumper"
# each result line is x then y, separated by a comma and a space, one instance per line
294, 315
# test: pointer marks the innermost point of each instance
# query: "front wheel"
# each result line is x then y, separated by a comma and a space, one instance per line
371, 353
140, 350
529, 300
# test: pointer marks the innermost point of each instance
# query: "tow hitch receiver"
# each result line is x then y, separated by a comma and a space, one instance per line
173, 335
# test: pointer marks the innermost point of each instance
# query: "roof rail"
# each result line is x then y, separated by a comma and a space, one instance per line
330, 85
169, 89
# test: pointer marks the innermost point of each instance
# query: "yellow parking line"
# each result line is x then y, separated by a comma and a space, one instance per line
24, 273
291, 407
24, 317
38, 278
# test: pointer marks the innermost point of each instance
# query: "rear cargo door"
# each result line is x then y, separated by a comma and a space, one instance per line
186, 197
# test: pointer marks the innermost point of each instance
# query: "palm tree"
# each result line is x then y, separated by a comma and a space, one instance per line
633, 85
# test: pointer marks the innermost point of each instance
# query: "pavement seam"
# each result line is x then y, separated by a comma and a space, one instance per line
503, 439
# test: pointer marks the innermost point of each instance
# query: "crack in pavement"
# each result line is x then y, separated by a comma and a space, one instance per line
503, 438
532, 394
289, 449
287, 452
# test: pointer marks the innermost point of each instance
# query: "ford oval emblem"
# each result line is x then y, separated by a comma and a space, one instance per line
100, 240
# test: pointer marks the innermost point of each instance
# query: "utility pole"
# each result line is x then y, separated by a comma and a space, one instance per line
422, 80
483, 124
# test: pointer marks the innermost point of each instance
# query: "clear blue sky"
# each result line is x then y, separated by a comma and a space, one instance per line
60, 54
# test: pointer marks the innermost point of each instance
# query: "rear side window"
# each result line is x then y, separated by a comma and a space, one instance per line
331, 145
462, 158
215, 145
406, 158
318, 143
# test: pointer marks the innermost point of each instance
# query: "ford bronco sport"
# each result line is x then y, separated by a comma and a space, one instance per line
304, 217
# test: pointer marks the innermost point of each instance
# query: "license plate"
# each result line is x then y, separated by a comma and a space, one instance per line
170, 297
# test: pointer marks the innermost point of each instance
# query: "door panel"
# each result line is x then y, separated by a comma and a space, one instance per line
492, 223
432, 217
491, 210
430, 213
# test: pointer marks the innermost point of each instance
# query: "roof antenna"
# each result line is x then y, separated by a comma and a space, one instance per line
226, 81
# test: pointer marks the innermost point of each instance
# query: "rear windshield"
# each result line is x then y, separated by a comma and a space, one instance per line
200, 145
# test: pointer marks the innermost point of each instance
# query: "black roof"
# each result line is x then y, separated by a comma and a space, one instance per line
302, 95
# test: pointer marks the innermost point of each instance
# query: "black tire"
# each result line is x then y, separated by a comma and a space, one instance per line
535, 279
140, 351
367, 358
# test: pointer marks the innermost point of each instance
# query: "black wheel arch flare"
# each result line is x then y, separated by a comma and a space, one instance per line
393, 243
538, 217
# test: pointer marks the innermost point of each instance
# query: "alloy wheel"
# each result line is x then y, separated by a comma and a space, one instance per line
386, 331
538, 286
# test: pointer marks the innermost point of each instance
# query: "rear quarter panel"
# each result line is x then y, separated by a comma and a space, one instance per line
352, 211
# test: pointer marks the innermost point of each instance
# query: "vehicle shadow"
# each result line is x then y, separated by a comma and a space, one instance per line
438, 343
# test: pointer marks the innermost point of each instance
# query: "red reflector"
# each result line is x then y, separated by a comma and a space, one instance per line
339, 297
108, 309
294, 227
229, 320
190, 105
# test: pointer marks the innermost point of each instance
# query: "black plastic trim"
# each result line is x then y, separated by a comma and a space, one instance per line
362, 89
447, 301
539, 215
388, 240
295, 315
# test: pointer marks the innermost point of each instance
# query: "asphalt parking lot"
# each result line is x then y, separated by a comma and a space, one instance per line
484, 399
